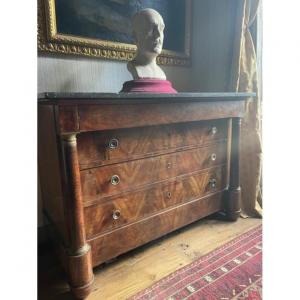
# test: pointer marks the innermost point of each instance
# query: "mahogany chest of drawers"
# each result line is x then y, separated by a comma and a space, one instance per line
118, 171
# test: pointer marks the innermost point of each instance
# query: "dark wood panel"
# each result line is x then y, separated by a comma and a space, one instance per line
121, 240
112, 146
49, 170
67, 119
97, 183
136, 205
102, 117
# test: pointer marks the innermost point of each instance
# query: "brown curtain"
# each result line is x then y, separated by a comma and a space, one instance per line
246, 80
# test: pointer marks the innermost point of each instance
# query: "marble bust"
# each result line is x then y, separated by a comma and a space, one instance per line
148, 30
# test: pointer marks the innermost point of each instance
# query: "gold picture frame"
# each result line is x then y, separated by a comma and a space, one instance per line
52, 41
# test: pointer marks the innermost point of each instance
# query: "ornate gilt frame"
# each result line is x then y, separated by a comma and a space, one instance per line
50, 41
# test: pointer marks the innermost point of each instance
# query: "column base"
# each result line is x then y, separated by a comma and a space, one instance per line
83, 291
232, 206
80, 272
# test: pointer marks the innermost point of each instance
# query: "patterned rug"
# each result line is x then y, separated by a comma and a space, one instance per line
233, 271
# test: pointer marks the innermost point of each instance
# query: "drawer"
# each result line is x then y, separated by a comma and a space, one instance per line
106, 147
121, 240
131, 207
110, 180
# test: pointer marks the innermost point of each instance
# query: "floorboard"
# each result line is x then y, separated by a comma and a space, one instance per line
140, 268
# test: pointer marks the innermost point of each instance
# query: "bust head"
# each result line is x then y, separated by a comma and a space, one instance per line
148, 29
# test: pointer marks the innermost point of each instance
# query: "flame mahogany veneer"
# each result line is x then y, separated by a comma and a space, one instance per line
119, 171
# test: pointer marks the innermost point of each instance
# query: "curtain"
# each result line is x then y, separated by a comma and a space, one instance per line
246, 80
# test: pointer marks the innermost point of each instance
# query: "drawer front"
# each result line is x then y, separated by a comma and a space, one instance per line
110, 180
106, 147
114, 116
123, 239
131, 207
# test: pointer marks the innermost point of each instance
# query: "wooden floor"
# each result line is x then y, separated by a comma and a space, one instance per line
140, 268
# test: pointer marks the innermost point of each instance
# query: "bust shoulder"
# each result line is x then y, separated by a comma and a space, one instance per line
132, 70
145, 71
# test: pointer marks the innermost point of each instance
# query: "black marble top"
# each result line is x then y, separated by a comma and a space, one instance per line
90, 96
136, 98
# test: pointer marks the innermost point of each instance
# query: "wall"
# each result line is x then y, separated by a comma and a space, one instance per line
78, 74
214, 24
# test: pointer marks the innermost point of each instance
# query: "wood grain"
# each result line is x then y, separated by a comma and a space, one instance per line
67, 119
126, 238
78, 253
142, 267
96, 183
94, 117
73, 194
80, 273
137, 205
165, 158
94, 150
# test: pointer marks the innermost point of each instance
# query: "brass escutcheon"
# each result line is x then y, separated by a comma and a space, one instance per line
214, 130
113, 144
115, 179
213, 156
116, 214
213, 183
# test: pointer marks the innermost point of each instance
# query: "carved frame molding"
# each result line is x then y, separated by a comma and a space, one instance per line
50, 41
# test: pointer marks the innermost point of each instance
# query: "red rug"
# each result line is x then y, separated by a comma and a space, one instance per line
233, 271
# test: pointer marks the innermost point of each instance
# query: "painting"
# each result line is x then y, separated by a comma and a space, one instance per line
102, 28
